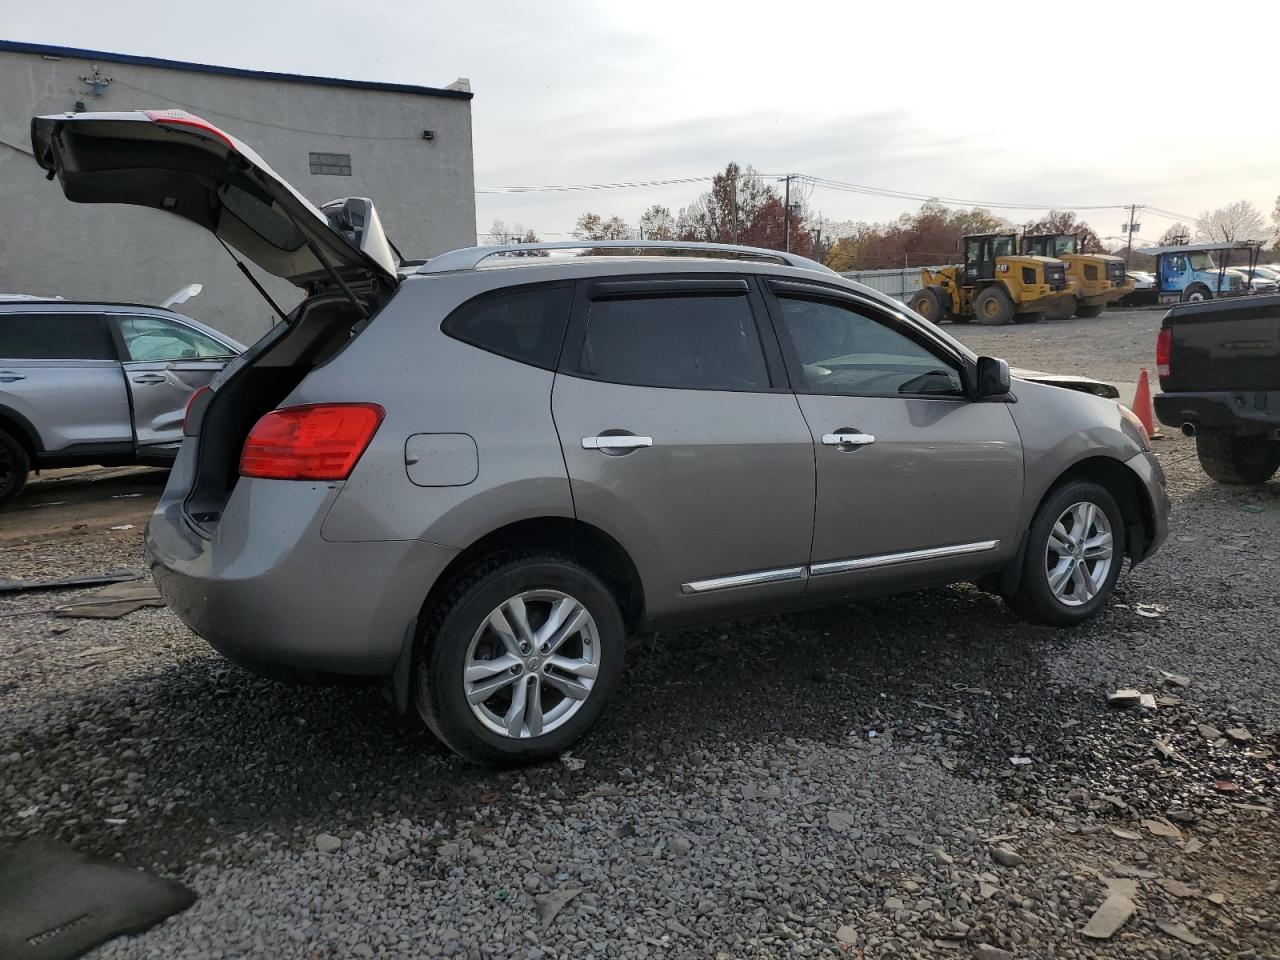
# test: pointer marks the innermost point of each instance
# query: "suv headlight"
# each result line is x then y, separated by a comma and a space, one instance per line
1133, 428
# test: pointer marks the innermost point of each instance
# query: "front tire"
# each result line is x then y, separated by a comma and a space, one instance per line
1196, 293
518, 659
993, 305
1075, 548
14, 467
1230, 458
1089, 311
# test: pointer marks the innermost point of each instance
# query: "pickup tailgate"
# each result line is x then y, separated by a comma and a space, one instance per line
1221, 346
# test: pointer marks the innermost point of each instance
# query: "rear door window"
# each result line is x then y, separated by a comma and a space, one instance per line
154, 338
525, 324
55, 336
693, 342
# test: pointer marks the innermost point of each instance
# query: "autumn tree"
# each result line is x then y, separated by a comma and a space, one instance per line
743, 207
1176, 235
499, 234
1237, 221
932, 235
658, 223
592, 226
1064, 221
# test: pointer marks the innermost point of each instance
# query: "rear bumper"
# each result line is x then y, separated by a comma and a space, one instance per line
1148, 470
1253, 412
268, 592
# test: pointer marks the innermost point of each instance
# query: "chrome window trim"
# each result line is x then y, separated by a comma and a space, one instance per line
889, 559
759, 577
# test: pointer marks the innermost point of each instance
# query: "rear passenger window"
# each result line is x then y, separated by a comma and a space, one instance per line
525, 325
55, 336
690, 342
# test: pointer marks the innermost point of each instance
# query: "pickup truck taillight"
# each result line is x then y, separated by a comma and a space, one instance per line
317, 441
1164, 343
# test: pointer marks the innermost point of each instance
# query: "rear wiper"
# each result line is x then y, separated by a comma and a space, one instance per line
254, 280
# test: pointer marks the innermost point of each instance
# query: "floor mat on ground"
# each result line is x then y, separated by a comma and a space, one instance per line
56, 903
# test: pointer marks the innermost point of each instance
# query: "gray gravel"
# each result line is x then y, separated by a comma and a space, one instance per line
834, 783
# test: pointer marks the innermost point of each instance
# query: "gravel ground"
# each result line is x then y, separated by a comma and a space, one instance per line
835, 783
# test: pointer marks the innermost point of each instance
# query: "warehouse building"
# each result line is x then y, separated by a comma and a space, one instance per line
406, 147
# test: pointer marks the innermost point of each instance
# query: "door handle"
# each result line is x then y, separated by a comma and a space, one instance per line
9, 376
847, 439
622, 441
149, 378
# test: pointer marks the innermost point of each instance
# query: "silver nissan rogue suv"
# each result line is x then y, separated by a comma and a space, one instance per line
470, 480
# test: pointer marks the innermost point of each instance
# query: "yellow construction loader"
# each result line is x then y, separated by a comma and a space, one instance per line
1093, 279
994, 284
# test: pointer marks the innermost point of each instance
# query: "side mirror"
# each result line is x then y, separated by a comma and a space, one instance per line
993, 377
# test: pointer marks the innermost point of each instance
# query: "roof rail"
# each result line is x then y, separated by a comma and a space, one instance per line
468, 258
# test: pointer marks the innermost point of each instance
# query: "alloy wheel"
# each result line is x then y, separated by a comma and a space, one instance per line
1079, 553
532, 663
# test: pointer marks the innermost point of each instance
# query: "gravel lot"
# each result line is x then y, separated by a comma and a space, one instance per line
836, 783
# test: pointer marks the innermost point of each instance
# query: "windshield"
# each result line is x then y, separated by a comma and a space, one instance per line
1063, 245
1002, 246
1200, 260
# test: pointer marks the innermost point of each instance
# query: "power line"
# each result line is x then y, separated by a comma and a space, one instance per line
907, 195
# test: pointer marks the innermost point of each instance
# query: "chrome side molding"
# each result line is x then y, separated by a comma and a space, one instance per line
889, 559
784, 574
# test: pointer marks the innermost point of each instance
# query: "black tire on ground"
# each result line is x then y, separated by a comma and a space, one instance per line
930, 303
992, 305
1034, 598
1087, 311
440, 657
1196, 293
1030, 316
14, 467
1230, 458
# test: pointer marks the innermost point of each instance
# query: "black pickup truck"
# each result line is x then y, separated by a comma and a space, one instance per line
1219, 368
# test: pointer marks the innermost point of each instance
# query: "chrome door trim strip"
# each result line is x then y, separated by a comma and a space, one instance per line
889, 559
759, 577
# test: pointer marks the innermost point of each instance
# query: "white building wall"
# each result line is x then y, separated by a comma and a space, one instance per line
425, 191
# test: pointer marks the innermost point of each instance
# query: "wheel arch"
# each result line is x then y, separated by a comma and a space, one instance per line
1130, 495
20, 427
584, 542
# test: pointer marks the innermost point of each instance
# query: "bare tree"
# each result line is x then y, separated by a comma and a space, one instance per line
1179, 233
657, 223
592, 226
1237, 221
1064, 221
1275, 220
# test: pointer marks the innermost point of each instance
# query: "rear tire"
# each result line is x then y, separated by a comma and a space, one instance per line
1230, 458
518, 713
993, 305
1060, 584
1061, 309
14, 467
1093, 311
929, 303
1031, 316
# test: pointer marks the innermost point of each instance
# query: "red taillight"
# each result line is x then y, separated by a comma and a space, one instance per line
187, 426
319, 441
1164, 344
180, 118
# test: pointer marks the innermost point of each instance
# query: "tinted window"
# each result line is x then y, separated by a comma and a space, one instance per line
151, 338
845, 352
55, 336
526, 325
702, 342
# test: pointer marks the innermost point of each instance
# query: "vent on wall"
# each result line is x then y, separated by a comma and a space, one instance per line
330, 164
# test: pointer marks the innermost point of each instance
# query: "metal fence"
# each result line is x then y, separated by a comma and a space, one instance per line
899, 284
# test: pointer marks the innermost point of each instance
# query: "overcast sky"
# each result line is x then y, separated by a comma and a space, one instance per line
1030, 104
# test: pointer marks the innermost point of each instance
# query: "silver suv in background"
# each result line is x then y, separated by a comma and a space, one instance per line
97, 383
470, 482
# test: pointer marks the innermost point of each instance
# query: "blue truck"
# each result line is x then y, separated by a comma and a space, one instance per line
1193, 272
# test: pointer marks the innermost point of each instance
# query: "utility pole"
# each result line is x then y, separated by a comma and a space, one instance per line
786, 216
734, 204
1128, 249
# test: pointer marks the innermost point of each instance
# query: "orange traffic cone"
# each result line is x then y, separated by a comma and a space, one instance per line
1143, 406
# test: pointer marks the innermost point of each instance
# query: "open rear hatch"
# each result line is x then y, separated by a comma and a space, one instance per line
173, 161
